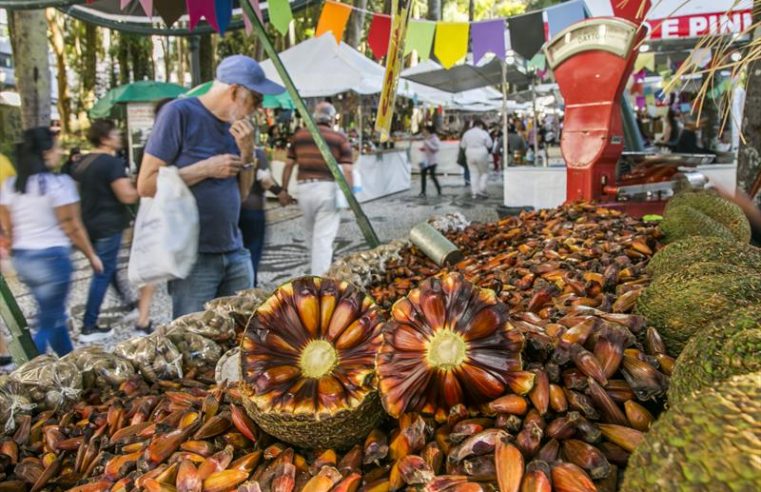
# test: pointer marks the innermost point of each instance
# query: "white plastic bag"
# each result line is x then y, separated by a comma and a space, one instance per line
165, 243
341, 201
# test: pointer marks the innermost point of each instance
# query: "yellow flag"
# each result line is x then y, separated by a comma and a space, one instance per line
400, 16
645, 60
333, 18
451, 43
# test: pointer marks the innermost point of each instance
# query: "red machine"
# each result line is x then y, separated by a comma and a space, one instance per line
592, 61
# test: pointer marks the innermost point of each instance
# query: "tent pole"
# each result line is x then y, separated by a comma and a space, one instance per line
504, 115
195, 60
362, 221
536, 125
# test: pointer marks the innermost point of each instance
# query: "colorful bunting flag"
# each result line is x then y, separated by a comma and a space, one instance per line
487, 36
170, 12
333, 18
561, 16
379, 34
451, 43
147, 7
257, 10
420, 38
201, 8
526, 34
537, 63
633, 10
224, 10
645, 60
280, 14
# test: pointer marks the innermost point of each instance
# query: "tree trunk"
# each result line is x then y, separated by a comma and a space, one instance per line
356, 24
123, 57
749, 154
206, 54
471, 9
89, 65
181, 57
434, 10
55, 33
30, 52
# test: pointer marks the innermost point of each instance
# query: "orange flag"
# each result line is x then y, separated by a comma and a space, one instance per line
333, 18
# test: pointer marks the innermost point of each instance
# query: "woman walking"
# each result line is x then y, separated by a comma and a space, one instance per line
477, 144
39, 213
430, 151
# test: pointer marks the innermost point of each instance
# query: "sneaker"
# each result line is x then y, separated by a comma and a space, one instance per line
5, 360
147, 329
91, 333
421, 195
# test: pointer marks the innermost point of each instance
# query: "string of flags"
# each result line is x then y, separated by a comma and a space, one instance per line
448, 41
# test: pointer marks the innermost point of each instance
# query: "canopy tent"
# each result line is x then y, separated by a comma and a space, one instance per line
466, 76
142, 91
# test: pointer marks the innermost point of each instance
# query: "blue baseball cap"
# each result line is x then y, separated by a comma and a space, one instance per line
246, 72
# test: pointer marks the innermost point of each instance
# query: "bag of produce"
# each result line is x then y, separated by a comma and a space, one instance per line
365, 267
228, 367
197, 351
209, 324
100, 368
49, 382
240, 307
155, 356
14, 402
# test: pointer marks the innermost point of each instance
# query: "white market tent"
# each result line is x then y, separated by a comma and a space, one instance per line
321, 67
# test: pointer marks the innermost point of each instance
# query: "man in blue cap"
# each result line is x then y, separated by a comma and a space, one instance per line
211, 140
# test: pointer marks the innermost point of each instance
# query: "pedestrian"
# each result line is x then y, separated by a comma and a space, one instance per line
462, 161
516, 145
252, 219
39, 212
477, 144
430, 151
105, 190
75, 154
316, 185
211, 140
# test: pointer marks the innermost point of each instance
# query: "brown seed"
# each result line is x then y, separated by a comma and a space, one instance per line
549, 452
511, 404
349, 484
567, 477
215, 426
653, 342
626, 437
540, 393
587, 457
444, 482
638, 416
433, 456
187, 478
376, 447
587, 363
285, 478
222, 481
558, 403
414, 470
509, 464
609, 410
614, 453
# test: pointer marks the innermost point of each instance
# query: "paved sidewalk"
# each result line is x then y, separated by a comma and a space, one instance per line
286, 254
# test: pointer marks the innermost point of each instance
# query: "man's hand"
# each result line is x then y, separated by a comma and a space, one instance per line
243, 131
284, 198
223, 166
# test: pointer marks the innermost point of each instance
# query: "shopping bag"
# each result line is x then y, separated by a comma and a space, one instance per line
165, 242
341, 201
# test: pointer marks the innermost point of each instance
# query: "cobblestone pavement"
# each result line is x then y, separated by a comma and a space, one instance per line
285, 254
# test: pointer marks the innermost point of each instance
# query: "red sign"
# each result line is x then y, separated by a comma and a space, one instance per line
692, 26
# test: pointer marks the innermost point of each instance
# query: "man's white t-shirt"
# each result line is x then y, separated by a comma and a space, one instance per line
35, 225
476, 140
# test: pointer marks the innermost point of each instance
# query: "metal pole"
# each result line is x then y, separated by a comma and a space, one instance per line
194, 44
362, 221
21, 346
504, 116
536, 126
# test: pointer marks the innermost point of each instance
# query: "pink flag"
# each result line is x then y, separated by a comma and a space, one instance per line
246, 22
201, 8
147, 7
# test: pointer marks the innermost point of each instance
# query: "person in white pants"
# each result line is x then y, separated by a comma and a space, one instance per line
316, 186
477, 143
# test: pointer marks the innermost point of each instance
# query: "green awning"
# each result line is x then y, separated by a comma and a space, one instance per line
282, 101
142, 91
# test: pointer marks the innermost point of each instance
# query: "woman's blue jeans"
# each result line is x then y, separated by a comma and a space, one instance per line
47, 274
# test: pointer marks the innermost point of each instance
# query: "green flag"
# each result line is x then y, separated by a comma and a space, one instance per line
280, 14
538, 62
419, 38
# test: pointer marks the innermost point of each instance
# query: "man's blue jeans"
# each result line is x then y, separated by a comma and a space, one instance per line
107, 249
213, 275
47, 273
253, 225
